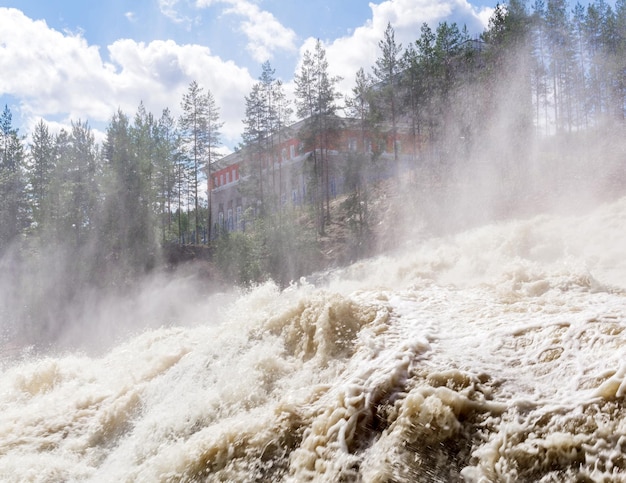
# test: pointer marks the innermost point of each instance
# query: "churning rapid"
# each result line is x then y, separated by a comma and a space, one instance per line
498, 354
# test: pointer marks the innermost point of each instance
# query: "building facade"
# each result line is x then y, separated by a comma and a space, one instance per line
280, 172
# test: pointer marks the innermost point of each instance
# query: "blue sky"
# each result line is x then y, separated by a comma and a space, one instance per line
64, 60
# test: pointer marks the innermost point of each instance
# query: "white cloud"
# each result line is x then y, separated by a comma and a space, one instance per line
407, 14
60, 76
164, 69
50, 71
360, 49
170, 8
130, 16
264, 32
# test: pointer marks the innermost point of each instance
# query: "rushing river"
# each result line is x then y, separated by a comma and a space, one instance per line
498, 354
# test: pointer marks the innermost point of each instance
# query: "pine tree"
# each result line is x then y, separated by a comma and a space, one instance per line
200, 129
42, 167
193, 124
13, 209
540, 65
165, 166
387, 70
268, 112
413, 94
126, 237
214, 126
427, 86
281, 118
255, 134
84, 169
558, 44
580, 69
620, 54
359, 162
73, 205
316, 97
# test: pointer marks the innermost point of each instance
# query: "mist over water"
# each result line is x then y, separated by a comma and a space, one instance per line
491, 354
486, 344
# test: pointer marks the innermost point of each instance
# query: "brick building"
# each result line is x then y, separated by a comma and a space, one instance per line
284, 165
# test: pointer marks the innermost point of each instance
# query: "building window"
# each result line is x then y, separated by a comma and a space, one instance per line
352, 144
227, 177
230, 220
215, 184
221, 179
239, 219
220, 219
292, 151
283, 154
368, 146
294, 197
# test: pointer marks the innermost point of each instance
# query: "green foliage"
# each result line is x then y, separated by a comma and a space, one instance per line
236, 254
127, 235
316, 102
200, 128
268, 112
358, 169
282, 250
559, 70
166, 138
291, 248
387, 70
14, 207
42, 166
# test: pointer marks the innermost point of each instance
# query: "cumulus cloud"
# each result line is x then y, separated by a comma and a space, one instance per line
264, 32
360, 49
58, 74
49, 70
164, 69
61, 77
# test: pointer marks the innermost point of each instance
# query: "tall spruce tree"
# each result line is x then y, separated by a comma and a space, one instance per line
540, 85
316, 103
387, 70
200, 129
255, 134
127, 236
84, 179
42, 167
559, 43
193, 124
165, 175
13, 209
360, 160
214, 126
268, 112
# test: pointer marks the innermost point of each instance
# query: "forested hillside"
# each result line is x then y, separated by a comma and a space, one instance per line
536, 103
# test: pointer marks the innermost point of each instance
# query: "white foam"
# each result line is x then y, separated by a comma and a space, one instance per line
495, 354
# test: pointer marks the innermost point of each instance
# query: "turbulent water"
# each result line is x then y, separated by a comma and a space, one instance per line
498, 354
